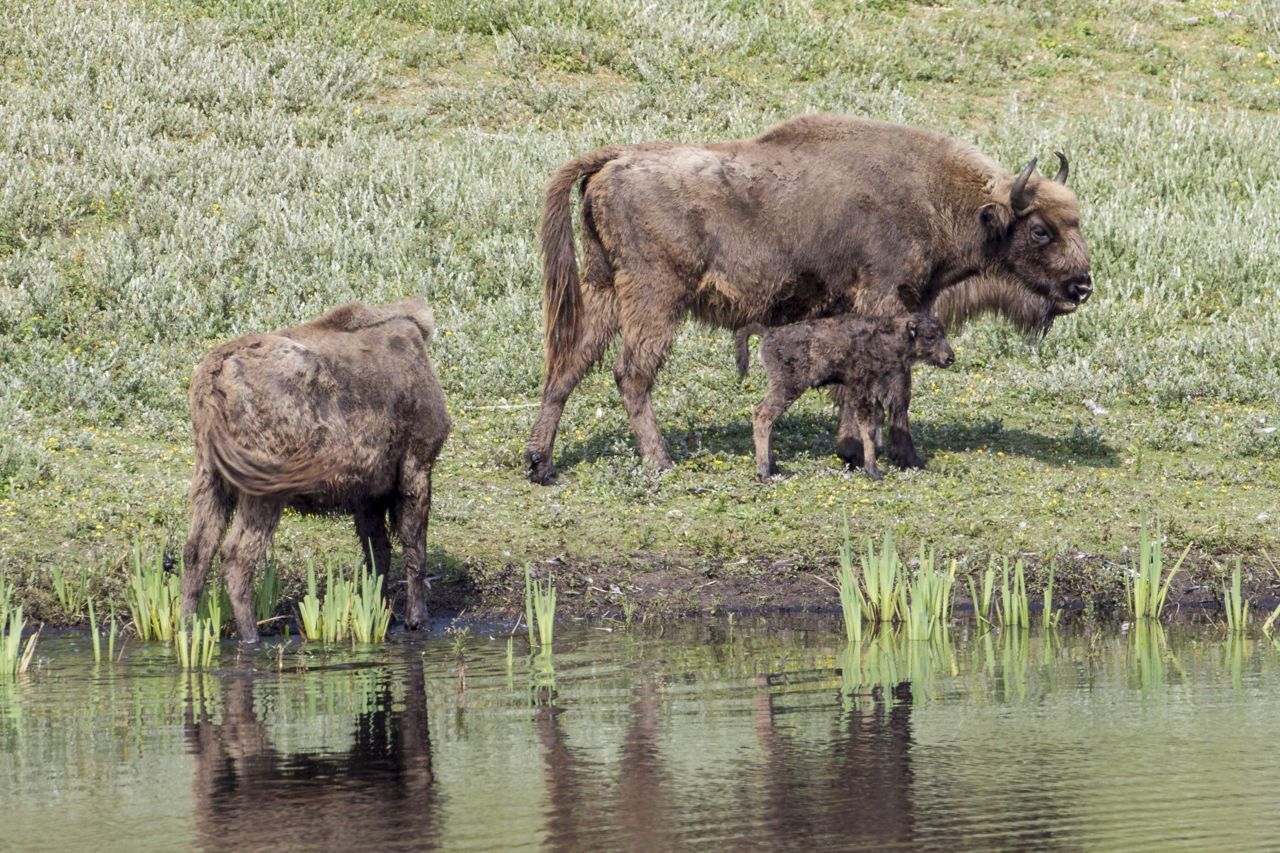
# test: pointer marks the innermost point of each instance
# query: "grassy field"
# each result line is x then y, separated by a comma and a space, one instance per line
175, 174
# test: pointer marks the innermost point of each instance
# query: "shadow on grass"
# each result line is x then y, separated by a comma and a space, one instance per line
813, 435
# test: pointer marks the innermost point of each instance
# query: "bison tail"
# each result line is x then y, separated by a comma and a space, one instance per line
562, 294
742, 346
244, 469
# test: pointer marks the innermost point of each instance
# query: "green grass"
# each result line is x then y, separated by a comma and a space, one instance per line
1013, 607
1234, 604
540, 611
177, 174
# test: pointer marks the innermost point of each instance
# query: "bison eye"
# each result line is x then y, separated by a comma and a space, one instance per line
1040, 234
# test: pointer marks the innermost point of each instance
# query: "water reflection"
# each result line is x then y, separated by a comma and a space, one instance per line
248, 790
743, 735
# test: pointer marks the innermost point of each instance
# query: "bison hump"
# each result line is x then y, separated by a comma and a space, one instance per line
356, 316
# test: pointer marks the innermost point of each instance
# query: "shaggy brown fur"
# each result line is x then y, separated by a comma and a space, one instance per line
1030, 313
870, 357
342, 413
820, 215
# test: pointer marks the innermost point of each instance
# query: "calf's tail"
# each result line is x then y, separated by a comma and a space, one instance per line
742, 346
248, 470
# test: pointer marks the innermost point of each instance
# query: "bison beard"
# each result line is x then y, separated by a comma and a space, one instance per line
341, 413
820, 215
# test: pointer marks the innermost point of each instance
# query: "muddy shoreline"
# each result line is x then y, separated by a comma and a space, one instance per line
655, 587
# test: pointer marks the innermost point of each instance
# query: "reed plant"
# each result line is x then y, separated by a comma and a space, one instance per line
1147, 584
335, 609
370, 613
96, 635
309, 607
72, 593
1014, 607
1050, 616
266, 593
852, 603
1237, 609
540, 609
982, 603
196, 641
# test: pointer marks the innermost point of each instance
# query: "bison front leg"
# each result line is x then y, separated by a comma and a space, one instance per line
251, 532
898, 400
413, 514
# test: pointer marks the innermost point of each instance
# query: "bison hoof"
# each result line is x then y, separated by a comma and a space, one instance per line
911, 461
852, 458
874, 474
541, 471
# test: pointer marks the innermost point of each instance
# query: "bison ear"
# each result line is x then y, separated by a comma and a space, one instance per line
911, 329
996, 219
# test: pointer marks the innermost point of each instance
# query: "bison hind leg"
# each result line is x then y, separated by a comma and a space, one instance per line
211, 504
251, 532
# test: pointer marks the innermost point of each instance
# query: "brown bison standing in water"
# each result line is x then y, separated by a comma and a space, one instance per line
820, 215
342, 413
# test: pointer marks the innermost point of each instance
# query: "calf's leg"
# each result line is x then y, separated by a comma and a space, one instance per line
848, 439
251, 532
211, 505
865, 413
776, 401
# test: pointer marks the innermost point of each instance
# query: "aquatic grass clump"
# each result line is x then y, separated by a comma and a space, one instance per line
1147, 584
1237, 609
881, 580
540, 609
370, 613
926, 599
350, 608
1014, 606
196, 641
153, 597
15, 657
72, 593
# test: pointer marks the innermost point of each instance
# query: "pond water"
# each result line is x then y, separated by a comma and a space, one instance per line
765, 734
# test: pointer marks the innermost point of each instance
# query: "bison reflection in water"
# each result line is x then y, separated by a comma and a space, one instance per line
341, 413
820, 215
250, 795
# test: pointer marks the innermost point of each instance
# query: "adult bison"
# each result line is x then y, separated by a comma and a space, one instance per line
820, 215
341, 413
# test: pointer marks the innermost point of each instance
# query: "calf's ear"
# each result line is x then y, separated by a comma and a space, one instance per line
911, 329
996, 220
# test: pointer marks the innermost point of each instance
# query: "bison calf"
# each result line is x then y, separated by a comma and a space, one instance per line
870, 356
343, 413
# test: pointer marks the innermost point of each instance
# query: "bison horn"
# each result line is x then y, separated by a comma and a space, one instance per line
1064, 170
1018, 195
